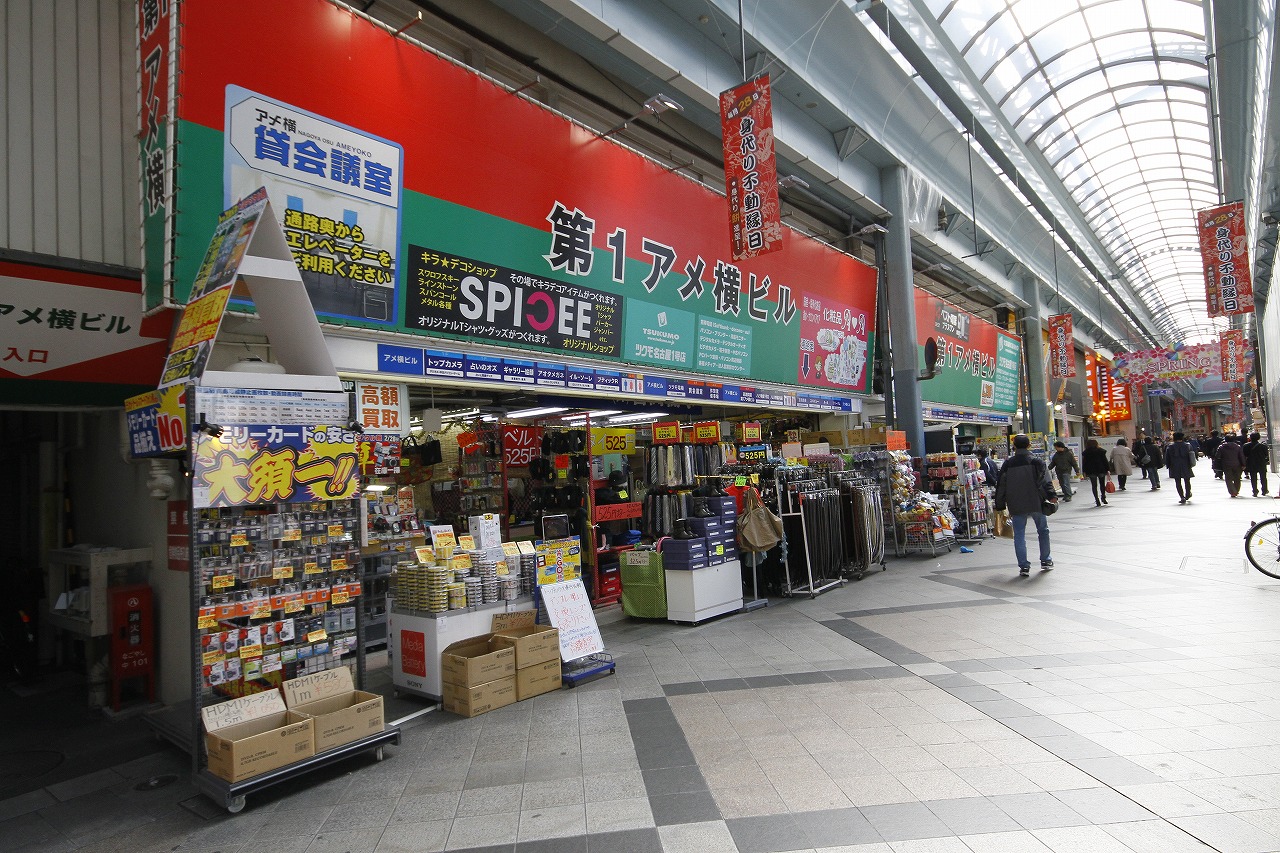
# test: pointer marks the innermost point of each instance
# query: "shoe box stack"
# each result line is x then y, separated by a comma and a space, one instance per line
714, 528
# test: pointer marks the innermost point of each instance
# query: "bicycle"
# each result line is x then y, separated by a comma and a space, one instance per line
1262, 546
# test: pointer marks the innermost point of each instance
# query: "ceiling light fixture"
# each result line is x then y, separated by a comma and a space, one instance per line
659, 103
637, 418
533, 413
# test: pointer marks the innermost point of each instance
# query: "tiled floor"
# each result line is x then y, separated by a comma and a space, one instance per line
1126, 701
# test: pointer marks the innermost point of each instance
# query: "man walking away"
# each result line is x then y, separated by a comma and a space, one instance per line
1023, 488
1063, 462
1152, 461
1257, 456
1210, 448
1230, 463
1181, 463
1096, 468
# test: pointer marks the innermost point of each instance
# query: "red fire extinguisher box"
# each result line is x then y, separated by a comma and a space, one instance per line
132, 638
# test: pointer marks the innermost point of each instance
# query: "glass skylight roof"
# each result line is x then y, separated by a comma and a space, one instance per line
1114, 94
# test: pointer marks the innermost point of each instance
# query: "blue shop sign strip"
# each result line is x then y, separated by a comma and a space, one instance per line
450, 365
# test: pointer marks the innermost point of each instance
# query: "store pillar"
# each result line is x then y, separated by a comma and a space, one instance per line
1033, 343
899, 292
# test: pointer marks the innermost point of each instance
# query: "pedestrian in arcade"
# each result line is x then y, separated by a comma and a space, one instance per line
1096, 468
1229, 461
1063, 462
988, 466
1257, 456
1152, 460
1122, 461
1024, 488
1209, 447
1180, 462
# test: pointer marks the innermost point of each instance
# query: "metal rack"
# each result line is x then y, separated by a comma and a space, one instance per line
799, 492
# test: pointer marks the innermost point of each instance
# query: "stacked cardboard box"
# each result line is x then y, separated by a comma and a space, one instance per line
537, 649
340, 714
253, 734
477, 676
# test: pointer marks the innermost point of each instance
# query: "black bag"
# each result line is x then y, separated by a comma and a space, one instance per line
1048, 507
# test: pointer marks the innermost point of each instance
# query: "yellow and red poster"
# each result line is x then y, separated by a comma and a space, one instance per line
1224, 252
261, 463
1231, 344
1062, 352
750, 172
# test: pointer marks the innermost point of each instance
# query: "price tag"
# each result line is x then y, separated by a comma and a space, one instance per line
755, 479
510, 549
462, 561
311, 568
667, 432
750, 433
294, 605
317, 636
250, 652
213, 657
339, 596
425, 554
261, 611
739, 481
239, 540
719, 550
524, 546
338, 564
291, 534
706, 432
337, 531
223, 581
281, 573
467, 542
206, 621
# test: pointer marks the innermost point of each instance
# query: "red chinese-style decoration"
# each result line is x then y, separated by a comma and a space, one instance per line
1224, 251
1062, 361
750, 173
1180, 412
1231, 344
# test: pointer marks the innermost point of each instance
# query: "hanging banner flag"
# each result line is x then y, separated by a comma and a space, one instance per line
1180, 412
1224, 251
1062, 361
750, 173
1232, 346
1237, 406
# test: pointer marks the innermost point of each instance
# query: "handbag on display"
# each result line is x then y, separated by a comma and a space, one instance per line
758, 528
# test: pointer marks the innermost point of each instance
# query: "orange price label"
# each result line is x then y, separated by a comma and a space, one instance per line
467, 542
213, 657
250, 652
294, 605
667, 432
337, 531
205, 621
223, 581
338, 564
281, 573
317, 636
751, 433
261, 611
239, 540
311, 568
706, 432
291, 534
339, 596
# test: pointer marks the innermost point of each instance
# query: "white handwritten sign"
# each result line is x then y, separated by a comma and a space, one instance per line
569, 609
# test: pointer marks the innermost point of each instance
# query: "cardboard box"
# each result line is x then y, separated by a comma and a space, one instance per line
340, 713
684, 563
253, 734
475, 661
534, 644
684, 547
536, 680
480, 699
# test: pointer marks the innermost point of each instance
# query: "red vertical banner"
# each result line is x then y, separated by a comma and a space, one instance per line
750, 172
1224, 252
1180, 412
1062, 360
1237, 406
1232, 357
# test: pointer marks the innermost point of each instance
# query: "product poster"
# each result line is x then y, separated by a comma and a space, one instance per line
559, 560
833, 344
1106, 389
259, 463
516, 226
338, 193
1224, 251
978, 363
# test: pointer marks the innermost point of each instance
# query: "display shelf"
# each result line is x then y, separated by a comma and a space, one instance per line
232, 795
694, 595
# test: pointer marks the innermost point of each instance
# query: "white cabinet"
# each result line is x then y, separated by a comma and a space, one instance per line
697, 594
415, 641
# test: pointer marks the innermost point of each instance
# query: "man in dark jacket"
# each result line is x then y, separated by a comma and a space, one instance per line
989, 466
1154, 462
1181, 463
1063, 462
1229, 463
1023, 489
1257, 456
1210, 449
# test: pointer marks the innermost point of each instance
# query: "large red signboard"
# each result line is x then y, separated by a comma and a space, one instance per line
1224, 251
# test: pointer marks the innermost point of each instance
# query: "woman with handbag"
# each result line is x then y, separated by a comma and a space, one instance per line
1097, 468
1122, 461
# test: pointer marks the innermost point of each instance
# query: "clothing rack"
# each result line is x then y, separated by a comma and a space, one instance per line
813, 510
863, 521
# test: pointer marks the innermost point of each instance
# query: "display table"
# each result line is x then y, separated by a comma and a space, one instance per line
416, 639
697, 594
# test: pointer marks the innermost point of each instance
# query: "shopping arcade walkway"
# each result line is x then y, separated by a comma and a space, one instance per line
1124, 701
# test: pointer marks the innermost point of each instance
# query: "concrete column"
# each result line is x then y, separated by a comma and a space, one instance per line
1033, 345
900, 294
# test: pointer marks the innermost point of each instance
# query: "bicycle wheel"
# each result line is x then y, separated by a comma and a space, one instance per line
1262, 547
